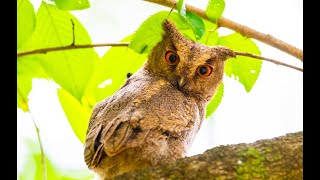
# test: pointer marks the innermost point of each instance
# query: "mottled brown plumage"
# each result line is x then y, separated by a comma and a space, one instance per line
154, 117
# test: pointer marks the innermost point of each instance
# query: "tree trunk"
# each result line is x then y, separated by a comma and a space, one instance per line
277, 158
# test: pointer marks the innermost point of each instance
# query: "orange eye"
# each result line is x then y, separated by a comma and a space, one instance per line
204, 71
172, 58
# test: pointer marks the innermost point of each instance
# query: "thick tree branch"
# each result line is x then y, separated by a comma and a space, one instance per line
277, 158
45, 50
244, 30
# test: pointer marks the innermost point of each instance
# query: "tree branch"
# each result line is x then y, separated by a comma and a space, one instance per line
43, 160
277, 158
45, 50
268, 59
244, 30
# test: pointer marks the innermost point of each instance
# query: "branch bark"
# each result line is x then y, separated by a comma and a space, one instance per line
277, 158
268, 59
72, 46
244, 30
69, 47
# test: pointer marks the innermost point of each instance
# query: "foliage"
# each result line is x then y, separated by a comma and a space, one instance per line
32, 168
85, 78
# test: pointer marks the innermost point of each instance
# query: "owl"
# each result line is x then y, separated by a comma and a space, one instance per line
154, 117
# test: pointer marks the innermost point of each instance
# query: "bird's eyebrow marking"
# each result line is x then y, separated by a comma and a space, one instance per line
210, 61
173, 47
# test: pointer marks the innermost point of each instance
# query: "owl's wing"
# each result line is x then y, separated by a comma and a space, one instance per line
111, 138
92, 148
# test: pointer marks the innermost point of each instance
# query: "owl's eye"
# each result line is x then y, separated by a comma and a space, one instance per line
172, 58
204, 70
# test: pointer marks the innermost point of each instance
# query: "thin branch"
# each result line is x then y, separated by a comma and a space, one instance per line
43, 160
244, 30
73, 34
45, 50
268, 59
39, 51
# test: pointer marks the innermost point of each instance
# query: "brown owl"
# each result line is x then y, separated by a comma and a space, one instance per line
154, 117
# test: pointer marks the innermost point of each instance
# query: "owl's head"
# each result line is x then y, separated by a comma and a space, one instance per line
193, 68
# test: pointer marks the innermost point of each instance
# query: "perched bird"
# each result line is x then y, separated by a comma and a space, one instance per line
154, 117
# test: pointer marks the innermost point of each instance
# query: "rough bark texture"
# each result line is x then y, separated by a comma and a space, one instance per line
277, 158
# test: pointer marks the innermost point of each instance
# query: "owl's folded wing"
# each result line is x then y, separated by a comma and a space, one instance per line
113, 137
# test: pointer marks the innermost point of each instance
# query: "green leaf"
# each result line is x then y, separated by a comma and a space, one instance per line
33, 167
27, 68
210, 36
77, 114
70, 69
244, 69
25, 21
215, 9
181, 7
111, 72
72, 4
214, 103
150, 31
196, 24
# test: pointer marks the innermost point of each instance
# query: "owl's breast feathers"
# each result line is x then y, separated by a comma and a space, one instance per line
143, 113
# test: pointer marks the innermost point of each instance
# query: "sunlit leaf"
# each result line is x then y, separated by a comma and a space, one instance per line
214, 103
72, 4
215, 9
111, 71
210, 36
25, 21
27, 68
71, 69
33, 168
181, 7
244, 69
77, 114
196, 24
150, 31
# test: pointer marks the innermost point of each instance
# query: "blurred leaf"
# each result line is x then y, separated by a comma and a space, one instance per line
245, 69
196, 24
150, 31
70, 69
181, 7
72, 4
111, 71
210, 36
33, 168
27, 68
77, 114
214, 103
25, 21
215, 9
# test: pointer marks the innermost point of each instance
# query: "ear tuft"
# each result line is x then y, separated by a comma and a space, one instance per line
224, 53
170, 29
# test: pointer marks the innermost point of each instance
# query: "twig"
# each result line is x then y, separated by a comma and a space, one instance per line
244, 30
268, 59
73, 34
43, 160
39, 51
45, 50
174, 5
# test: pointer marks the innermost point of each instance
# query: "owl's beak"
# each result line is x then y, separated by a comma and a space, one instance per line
181, 83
